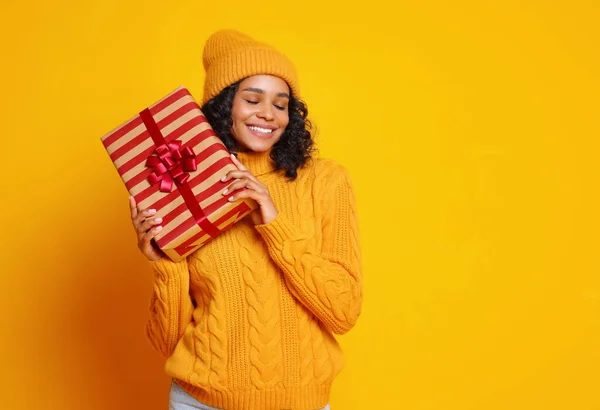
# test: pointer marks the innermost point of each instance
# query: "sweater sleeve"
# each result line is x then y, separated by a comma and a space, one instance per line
324, 274
171, 306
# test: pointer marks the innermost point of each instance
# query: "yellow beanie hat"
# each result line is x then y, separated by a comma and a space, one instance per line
230, 56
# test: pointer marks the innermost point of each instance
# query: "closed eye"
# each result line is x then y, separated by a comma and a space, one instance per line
279, 107
252, 102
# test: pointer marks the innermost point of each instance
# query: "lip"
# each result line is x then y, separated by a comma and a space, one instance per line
268, 127
260, 134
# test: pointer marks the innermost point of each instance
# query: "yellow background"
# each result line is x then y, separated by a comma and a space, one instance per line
470, 129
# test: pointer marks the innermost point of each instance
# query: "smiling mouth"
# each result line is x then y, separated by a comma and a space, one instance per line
260, 129
261, 132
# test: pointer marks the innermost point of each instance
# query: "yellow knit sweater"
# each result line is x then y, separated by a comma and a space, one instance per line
246, 321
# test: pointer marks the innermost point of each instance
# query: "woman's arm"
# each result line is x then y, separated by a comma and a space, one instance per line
171, 306
327, 279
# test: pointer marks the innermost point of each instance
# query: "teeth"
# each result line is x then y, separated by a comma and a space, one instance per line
263, 130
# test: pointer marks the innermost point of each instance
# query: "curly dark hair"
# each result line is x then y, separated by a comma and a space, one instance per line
293, 149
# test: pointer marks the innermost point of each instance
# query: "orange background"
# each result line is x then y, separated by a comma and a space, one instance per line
470, 129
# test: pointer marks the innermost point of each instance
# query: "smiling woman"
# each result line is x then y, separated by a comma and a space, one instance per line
247, 321
264, 105
259, 114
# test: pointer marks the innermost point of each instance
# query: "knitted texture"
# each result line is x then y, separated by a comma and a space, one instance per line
230, 56
247, 321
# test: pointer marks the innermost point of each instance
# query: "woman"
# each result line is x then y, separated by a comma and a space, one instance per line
247, 321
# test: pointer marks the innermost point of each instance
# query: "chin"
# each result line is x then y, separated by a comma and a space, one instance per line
259, 146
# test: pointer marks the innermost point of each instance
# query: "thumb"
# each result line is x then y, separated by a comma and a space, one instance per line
238, 164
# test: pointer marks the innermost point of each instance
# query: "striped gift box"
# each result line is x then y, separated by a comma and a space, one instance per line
171, 160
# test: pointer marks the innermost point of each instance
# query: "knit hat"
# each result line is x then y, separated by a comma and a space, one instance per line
230, 56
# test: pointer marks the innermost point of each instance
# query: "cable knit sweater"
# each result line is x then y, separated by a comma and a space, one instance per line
246, 321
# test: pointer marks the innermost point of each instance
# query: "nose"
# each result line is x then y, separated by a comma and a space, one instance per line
265, 112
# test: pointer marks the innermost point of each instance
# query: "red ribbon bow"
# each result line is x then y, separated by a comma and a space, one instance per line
171, 164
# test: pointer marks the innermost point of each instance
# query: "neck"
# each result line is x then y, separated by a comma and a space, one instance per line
259, 163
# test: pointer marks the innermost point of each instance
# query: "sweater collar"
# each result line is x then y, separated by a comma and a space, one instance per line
259, 163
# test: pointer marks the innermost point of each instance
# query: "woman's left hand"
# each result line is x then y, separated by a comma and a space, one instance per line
255, 189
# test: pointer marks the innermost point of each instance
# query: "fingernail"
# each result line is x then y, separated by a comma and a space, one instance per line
225, 192
223, 179
151, 211
159, 228
230, 199
157, 219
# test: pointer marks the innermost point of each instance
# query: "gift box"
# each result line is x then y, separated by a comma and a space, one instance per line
171, 160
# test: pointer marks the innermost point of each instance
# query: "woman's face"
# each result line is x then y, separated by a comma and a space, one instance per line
260, 112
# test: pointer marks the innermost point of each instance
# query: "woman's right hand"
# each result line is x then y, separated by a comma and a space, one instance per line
146, 228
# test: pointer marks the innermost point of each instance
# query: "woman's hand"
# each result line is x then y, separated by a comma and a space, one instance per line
146, 228
255, 189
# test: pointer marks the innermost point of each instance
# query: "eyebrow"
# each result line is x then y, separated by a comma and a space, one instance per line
261, 91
